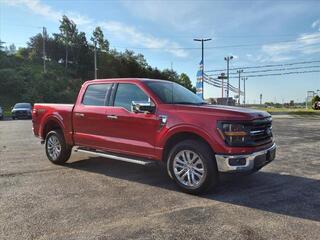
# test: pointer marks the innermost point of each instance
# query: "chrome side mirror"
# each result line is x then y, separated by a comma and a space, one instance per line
143, 107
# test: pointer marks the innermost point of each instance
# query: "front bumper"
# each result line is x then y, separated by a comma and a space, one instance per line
21, 115
245, 163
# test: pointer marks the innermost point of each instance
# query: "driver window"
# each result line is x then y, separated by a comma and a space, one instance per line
126, 93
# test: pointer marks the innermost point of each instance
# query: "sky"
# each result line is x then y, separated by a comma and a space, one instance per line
254, 32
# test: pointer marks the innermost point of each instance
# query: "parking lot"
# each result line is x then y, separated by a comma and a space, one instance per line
96, 198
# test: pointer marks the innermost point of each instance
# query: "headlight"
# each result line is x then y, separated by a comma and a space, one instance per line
234, 134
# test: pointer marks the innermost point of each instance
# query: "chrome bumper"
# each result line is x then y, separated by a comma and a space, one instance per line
244, 163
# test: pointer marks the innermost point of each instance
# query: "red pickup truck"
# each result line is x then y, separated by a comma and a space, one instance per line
145, 121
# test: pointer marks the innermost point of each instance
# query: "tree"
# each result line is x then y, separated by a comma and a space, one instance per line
68, 33
98, 38
12, 50
1, 45
171, 75
184, 80
315, 99
22, 78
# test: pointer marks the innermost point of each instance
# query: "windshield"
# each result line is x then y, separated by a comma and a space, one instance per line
23, 105
173, 93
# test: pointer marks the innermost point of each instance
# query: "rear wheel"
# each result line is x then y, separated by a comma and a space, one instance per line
193, 167
58, 152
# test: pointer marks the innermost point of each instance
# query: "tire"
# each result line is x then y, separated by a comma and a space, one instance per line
192, 166
13, 118
58, 152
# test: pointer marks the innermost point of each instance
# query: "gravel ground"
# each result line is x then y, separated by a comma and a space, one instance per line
96, 198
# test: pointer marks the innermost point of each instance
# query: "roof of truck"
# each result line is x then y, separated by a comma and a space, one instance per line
127, 79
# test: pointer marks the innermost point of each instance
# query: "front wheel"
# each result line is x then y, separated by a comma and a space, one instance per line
193, 167
58, 152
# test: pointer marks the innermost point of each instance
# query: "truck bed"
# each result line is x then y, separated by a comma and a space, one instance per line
44, 112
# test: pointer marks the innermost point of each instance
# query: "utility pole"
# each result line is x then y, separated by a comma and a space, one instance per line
310, 94
260, 98
202, 40
228, 58
239, 89
244, 90
44, 36
95, 60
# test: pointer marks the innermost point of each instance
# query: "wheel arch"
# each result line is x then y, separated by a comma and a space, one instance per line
51, 123
179, 135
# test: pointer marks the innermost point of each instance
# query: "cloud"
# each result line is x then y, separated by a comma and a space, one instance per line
316, 24
180, 15
304, 44
47, 11
142, 39
118, 29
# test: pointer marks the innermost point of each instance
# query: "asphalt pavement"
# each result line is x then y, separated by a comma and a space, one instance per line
97, 198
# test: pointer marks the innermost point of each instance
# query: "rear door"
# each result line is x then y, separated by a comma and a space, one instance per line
89, 116
129, 132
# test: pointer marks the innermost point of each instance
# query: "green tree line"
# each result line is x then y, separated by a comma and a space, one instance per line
69, 62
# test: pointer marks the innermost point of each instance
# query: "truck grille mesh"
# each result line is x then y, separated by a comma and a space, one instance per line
260, 131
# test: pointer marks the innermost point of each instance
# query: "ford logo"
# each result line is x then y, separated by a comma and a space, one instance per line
269, 131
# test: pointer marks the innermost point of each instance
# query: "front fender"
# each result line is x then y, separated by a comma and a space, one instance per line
186, 128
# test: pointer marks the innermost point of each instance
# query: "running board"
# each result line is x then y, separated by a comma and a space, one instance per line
116, 157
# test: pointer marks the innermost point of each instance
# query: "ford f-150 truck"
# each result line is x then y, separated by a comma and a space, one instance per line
145, 121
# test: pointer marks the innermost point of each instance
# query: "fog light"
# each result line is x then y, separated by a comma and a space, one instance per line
237, 161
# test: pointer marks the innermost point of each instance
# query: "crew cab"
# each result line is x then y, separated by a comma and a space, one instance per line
147, 121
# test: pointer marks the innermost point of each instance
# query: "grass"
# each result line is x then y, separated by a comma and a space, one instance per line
7, 113
291, 111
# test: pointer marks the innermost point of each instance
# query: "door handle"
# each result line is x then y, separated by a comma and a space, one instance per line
79, 114
112, 117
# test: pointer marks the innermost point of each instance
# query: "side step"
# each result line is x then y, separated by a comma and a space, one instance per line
139, 161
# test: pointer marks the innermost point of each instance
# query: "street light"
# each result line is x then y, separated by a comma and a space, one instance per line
202, 40
228, 58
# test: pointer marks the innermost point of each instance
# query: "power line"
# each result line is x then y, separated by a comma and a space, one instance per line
280, 74
274, 70
214, 47
266, 66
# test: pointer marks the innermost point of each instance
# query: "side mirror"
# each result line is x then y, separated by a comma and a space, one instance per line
143, 107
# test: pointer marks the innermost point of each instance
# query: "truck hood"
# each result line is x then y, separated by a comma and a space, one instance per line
229, 111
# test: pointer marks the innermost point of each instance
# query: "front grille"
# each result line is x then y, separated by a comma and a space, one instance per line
21, 112
260, 131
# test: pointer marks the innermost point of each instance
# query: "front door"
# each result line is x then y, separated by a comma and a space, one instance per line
130, 132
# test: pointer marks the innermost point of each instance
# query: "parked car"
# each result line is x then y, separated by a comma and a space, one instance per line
1, 113
22, 111
145, 121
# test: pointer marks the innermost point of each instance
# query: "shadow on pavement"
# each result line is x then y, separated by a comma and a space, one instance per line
272, 192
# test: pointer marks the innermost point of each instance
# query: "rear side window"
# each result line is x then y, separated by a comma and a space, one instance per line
126, 93
96, 94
